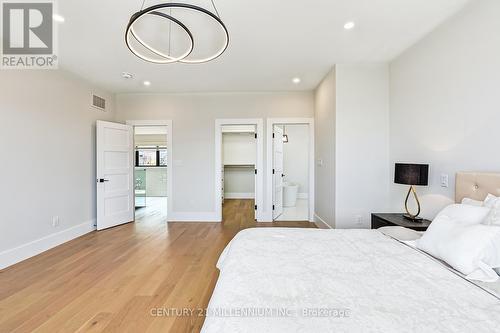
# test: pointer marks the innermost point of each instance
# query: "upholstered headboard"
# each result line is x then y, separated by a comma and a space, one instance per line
476, 185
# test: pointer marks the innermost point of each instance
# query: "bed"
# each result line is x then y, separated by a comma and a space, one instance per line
309, 280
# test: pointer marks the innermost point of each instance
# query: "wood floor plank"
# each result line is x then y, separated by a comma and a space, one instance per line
112, 280
96, 324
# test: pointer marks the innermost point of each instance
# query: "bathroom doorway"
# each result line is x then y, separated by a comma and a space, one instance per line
292, 170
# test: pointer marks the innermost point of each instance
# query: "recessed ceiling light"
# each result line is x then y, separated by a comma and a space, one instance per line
349, 25
296, 80
58, 18
147, 83
127, 75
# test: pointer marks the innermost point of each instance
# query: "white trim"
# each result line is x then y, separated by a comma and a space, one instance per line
320, 223
170, 150
193, 217
230, 195
149, 123
269, 148
31, 249
238, 129
259, 188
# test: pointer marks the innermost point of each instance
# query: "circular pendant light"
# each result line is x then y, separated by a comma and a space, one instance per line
167, 58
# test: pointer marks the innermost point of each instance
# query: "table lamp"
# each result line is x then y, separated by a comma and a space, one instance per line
413, 175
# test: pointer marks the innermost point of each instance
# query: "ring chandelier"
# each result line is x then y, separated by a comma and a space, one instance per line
132, 37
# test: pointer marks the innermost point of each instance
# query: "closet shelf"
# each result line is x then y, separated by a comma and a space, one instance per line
239, 165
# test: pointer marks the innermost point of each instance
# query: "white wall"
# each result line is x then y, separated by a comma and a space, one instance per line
193, 119
239, 148
150, 140
362, 144
239, 182
324, 119
296, 157
445, 102
47, 135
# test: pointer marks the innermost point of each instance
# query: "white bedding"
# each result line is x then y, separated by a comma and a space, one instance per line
358, 280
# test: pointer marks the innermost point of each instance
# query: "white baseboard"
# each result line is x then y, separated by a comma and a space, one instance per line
239, 195
31, 249
192, 217
320, 223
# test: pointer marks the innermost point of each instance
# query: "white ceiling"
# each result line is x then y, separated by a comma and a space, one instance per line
272, 41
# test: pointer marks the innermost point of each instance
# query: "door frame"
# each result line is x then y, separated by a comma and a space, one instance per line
170, 154
276, 175
269, 147
259, 192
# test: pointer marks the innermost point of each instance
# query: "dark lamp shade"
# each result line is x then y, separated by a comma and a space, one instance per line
412, 174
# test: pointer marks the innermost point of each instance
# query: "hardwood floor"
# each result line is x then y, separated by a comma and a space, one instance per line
114, 280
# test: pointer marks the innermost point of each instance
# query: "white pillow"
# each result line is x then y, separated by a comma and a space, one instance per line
472, 249
492, 202
494, 217
472, 202
400, 233
465, 214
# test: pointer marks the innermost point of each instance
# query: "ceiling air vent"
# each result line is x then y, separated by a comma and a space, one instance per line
98, 102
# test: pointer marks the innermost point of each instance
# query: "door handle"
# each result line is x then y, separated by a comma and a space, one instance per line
102, 180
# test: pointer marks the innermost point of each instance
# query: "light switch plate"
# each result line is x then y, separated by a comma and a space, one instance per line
444, 180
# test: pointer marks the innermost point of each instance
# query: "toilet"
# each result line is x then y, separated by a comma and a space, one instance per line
290, 192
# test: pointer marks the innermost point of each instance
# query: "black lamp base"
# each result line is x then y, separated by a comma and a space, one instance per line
413, 218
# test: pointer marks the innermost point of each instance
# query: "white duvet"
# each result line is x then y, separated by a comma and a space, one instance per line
309, 280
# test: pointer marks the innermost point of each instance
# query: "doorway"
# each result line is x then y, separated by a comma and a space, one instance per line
238, 167
239, 171
291, 169
152, 169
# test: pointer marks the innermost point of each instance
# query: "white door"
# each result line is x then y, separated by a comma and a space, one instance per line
255, 198
115, 174
277, 172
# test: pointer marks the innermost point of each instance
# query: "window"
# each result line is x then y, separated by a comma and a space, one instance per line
151, 157
163, 157
146, 157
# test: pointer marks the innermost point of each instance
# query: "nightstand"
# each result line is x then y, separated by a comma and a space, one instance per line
397, 219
